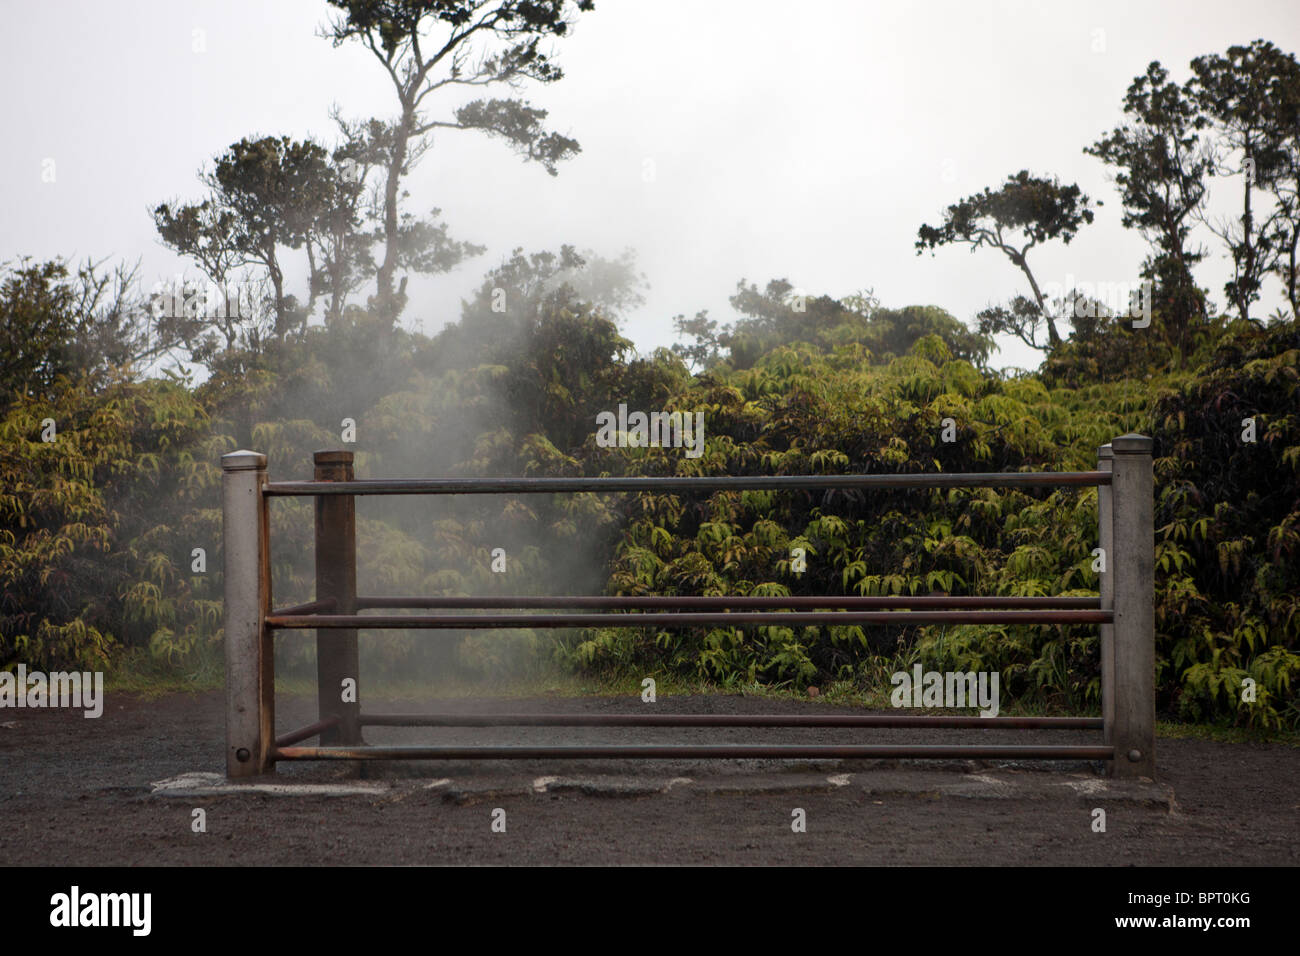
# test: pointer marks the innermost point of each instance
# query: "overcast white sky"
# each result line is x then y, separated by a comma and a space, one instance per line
801, 140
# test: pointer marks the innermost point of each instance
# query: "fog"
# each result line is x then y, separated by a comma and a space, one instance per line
720, 140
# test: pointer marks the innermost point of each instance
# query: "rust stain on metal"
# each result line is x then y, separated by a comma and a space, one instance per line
305, 733
488, 486
704, 751
337, 657
728, 720
682, 619
684, 601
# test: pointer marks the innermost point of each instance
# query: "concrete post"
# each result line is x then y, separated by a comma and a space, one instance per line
336, 577
1133, 537
1106, 541
250, 661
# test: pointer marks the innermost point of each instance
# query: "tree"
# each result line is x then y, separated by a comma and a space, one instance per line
1283, 112
1163, 180
54, 324
271, 195
1025, 212
613, 285
1250, 97
706, 349
426, 46
340, 248
779, 315
265, 195
36, 327
1021, 317
895, 331
517, 289
1286, 187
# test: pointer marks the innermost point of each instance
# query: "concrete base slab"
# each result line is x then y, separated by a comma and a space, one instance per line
217, 785
878, 784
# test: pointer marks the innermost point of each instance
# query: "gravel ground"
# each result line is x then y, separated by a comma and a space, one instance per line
84, 792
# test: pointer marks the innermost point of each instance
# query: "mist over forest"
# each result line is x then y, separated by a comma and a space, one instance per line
316, 310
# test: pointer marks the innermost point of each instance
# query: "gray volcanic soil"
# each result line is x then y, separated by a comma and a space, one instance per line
80, 792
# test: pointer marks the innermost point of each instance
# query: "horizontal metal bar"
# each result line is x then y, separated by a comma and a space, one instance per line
707, 751
522, 486
761, 618
656, 601
311, 607
729, 720
311, 730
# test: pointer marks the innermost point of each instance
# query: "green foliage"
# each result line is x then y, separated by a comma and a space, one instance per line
1162, 177
98, 526
779, 316
57, 323
1250, 97
427, 49
1024, 212
96, 530
801, 411
87, 558
1228, 530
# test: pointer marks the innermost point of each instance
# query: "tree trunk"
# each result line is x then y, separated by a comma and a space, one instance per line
384, 278
1053, 337
277, 282
1247, 273
1290, 275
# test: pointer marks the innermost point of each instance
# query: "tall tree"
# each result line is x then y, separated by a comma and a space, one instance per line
1024, 212
703, 348
1162, 176
427, 46
266, 195
1286, 187
343, 242
1249, 96
1283, 180
271, 196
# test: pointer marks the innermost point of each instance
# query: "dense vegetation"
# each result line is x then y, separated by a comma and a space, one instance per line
99, 525
109, 477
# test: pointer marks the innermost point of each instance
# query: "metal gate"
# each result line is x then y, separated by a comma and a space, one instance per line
1124, 611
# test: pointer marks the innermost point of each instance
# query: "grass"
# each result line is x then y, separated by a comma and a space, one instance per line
1225, 734
136, 672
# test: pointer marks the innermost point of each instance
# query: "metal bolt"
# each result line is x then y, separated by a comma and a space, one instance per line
242, 755
1134, 755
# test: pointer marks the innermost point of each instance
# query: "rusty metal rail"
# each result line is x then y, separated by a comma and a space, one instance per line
705, 751
683, 602
305, 733
1123, 610
546, 486
840, 721
621, 602
311, 607
729, 720
680, 619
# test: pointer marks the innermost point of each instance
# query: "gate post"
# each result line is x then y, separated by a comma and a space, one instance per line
336, 577
250, 656
1106, 586
1133, 583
